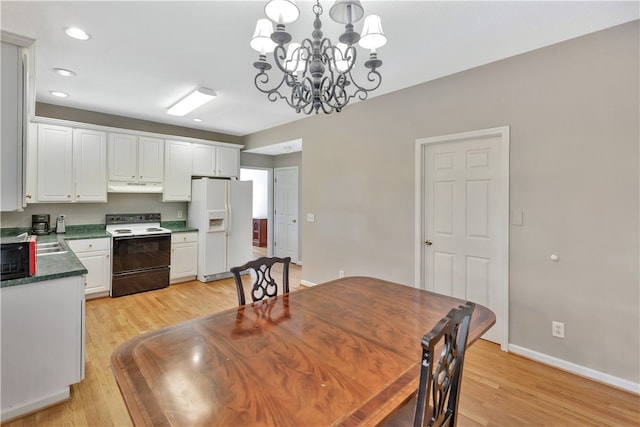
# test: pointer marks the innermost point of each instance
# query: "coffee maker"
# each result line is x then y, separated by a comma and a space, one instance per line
40, 224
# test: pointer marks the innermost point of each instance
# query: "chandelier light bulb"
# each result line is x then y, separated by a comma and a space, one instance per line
372, 35
282, 11
295, 58
261, 41
340, 57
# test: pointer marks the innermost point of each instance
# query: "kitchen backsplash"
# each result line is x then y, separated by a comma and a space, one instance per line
93, 213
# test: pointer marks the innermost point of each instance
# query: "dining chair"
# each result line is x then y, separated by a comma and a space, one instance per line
436, 403
264, 285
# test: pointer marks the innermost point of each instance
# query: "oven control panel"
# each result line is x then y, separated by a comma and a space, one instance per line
131, 218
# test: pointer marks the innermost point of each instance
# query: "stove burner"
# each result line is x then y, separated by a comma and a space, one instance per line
122, 230
151, 229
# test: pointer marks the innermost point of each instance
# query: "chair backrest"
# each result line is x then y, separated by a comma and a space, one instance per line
440, 379
264, 285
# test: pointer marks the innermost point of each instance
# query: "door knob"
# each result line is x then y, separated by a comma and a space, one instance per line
294, 221
428, 243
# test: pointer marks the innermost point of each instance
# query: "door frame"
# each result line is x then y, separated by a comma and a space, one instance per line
503, 133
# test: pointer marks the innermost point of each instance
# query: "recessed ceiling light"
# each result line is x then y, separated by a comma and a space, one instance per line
77, 33
191, 101
64, 72
197, 120
59, 94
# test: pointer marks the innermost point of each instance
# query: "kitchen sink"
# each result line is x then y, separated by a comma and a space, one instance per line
51, 248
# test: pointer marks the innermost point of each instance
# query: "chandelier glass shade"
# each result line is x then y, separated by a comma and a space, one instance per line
315, 75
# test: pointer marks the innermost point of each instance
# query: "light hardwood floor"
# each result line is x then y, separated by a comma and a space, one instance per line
499, 389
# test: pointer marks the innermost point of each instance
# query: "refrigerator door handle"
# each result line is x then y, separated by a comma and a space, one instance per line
229, 210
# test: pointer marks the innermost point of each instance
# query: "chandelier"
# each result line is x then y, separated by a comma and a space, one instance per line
315, 73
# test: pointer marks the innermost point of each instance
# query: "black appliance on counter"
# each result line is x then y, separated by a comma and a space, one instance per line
17, 257
40, 224
140, 253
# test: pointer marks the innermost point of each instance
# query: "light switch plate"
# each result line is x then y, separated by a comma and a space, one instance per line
311, 217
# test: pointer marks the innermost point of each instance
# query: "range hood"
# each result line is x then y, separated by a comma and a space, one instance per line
134, 187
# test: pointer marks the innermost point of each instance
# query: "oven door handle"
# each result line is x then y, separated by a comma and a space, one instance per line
145, 236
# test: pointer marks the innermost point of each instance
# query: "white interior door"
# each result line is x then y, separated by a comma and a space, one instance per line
465, 220
285, 238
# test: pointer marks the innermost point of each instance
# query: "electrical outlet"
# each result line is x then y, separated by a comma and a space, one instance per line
341, 274
179, 214
557, 329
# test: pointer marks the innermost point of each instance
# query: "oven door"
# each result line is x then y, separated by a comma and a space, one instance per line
141, 252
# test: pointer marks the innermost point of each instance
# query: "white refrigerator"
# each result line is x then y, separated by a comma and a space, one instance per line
221, 210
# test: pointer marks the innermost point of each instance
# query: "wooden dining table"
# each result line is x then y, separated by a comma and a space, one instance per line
346, 352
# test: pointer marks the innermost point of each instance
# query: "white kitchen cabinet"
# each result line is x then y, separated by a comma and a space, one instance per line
90, 165
177, 172
18, 104
55, 163
71, 165
95, 255
184, 257
135, 158
212, 160
42, 343
228, 161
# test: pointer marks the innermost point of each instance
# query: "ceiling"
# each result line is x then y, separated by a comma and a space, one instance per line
144, 56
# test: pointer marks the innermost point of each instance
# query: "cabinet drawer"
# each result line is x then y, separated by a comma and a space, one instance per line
184, 237
86, 245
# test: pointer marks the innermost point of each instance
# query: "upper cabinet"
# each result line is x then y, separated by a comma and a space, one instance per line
135, 159
90, 165
211, 160
68, 163
18, 103
71, 165
177, 172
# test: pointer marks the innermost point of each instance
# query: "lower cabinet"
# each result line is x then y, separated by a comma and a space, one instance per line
42, 349
184, 257
95, 255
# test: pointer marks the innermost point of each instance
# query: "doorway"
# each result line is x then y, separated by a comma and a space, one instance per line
262, 207
462, 219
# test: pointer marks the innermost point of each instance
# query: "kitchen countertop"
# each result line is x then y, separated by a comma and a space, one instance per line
55, 266
177, 226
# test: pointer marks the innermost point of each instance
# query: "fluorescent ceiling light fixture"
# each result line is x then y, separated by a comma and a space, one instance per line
197, 120
191, 101
59, 94
77, 33
64, 72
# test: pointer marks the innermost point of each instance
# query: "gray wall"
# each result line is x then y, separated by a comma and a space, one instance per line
84, 116
573, 111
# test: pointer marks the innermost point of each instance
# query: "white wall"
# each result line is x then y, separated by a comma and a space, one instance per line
260, 178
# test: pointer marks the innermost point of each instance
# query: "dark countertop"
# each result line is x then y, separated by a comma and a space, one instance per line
55, 266
49, 267
177, 226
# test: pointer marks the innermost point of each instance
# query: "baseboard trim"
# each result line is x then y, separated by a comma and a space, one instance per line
307, 283
576, 369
